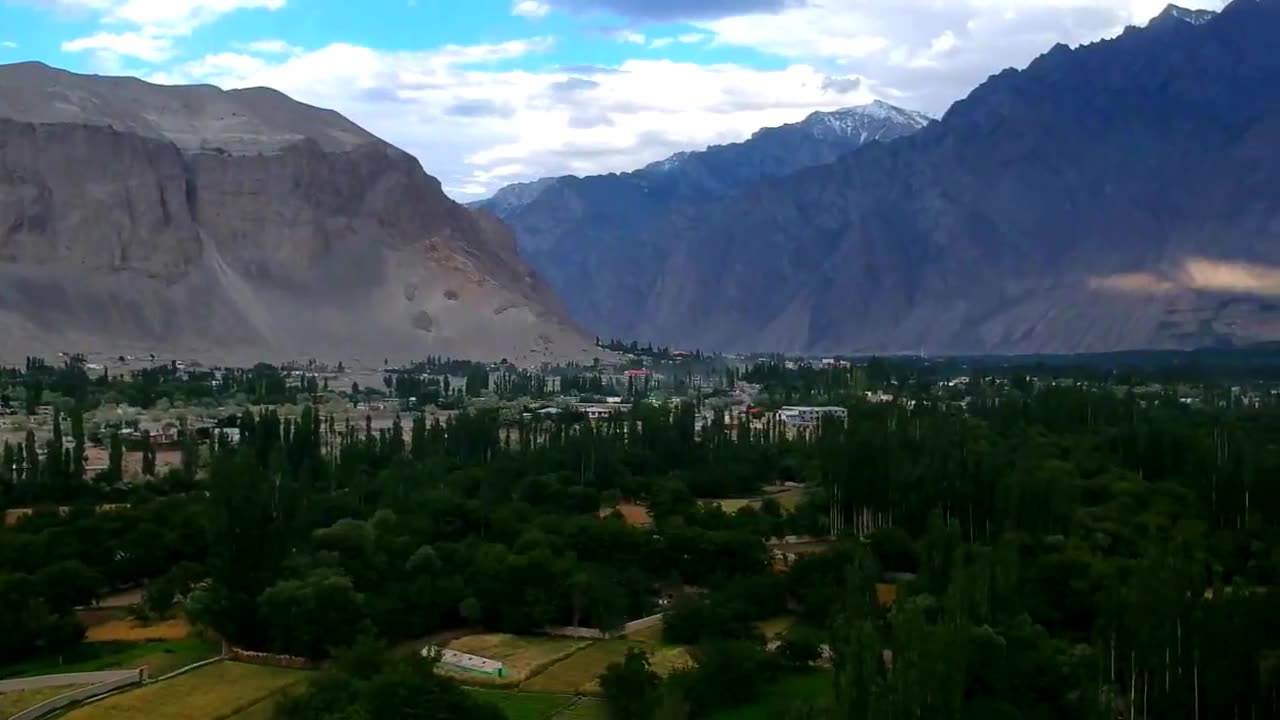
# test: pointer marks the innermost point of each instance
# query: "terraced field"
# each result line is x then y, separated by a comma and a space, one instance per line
12, 703
161, 657
128, 630
578, 673
523, 656
536, 706
214, 692
523, 705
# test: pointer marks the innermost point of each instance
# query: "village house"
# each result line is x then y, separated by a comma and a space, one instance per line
598, 411
793, 416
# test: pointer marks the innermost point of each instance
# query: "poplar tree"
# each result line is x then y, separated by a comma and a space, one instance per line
115, 460
77, 436
148, 455
33, 458
9, 461
418, 438
53, 456
190, 454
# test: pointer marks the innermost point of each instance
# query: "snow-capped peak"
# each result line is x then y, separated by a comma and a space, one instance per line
1187, 15
865, 121
670, 163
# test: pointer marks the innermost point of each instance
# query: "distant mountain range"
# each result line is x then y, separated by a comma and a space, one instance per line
1118, 195
579, 232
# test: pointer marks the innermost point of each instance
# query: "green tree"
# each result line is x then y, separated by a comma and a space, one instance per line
33, 458
67, 585
78, 438
418, 438
55, 473
631, 687
159, 597
115, 460
148, 455
801, 646
312, 615
365, 683
190, 454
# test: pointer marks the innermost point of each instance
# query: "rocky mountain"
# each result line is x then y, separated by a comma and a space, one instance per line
241, 226
577, 232
1117, 195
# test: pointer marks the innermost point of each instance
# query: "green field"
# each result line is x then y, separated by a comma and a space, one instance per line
523, 706
535, 706
221, 690
264, 710
12, 703
779, 697
160, 657
585, 709
524, 656
578, 673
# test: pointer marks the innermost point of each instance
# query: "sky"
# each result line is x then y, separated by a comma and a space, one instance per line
489, 92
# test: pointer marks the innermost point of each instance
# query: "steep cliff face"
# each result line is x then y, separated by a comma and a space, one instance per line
241, 226
1119, 195
580, 233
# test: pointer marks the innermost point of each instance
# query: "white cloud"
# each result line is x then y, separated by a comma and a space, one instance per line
162, 17
218, 65
628, 36
8, 44
180, 17
686, 38
127, 44
478, 128
929, 53
478, 124
530, 9
272, 47
153, 25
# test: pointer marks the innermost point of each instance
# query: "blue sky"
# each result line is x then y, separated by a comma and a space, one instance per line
487, 92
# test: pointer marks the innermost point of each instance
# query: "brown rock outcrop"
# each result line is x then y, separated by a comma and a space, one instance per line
241, 226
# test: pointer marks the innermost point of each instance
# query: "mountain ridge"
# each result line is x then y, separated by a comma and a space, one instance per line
1042, 213
510, 198
578, 232
240, 225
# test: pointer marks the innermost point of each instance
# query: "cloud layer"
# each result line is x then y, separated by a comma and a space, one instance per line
479, 116
478, 128
146, 30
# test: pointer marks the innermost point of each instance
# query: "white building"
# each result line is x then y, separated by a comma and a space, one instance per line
596, 411
803, 416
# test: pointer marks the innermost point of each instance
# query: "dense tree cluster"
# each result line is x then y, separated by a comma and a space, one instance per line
1062, 546
364, 682
454, 527
50, 565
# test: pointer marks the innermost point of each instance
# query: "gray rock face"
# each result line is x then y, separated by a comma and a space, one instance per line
241, 226
581, 233
1119, 195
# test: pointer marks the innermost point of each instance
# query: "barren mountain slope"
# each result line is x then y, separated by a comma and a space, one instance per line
239, 226
581, 233
1118, 195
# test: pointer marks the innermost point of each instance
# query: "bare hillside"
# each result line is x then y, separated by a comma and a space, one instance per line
238, 226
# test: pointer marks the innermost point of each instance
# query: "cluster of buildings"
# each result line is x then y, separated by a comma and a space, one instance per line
795, 416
